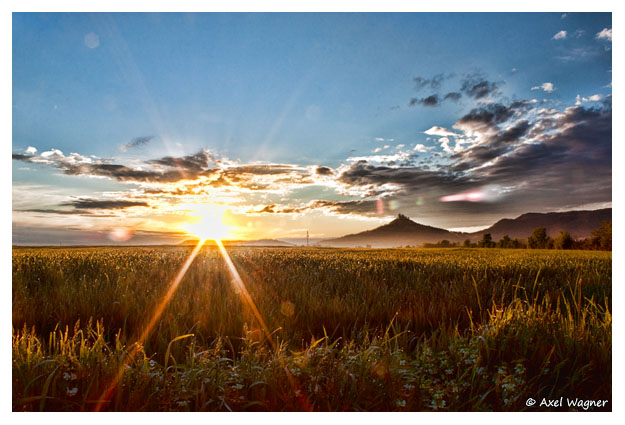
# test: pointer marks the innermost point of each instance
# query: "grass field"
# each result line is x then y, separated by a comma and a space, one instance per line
397, 329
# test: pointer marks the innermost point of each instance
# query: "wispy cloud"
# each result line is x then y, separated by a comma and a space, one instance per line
560, 35
546, 87
476, 86
439, 131
137, 141
104, 204
594, 98
604, 34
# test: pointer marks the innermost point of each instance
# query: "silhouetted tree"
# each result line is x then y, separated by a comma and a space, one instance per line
518, 243
602, 237
505, 242
563, 241
467, 243
486, 241
538, 239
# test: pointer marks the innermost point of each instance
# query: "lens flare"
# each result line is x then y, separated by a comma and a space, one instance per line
379, 206
485, 194
121, 234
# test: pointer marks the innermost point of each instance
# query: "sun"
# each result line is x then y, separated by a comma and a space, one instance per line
207, 222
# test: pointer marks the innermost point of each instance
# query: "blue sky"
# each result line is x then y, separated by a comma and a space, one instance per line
305, 90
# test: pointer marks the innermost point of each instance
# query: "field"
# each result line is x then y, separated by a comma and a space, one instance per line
351, 329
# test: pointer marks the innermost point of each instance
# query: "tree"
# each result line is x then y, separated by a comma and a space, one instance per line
538, 239
505, 242
602, 237
467, 243
486, 241
563, 241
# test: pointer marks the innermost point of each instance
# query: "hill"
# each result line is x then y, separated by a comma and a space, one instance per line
259, 242
578, 223
400, 232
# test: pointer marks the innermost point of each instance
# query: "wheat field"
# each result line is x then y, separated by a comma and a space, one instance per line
342, 329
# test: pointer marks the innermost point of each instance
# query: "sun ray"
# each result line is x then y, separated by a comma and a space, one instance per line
173, 286
241, 290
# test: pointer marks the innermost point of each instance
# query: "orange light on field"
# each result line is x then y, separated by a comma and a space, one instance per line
173, 286
241, 290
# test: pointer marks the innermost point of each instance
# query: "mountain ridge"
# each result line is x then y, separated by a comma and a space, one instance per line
403, 231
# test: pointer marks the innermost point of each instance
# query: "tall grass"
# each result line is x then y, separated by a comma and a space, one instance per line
402, 329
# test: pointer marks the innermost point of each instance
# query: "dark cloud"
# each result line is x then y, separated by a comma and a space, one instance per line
173, 169
323, 171
433, 83
453, 96
477, 87
358, 207
197, 162
431, 101
89, 204
364, 207
365, 175
487, 116
531, 163
137, 141
54, 211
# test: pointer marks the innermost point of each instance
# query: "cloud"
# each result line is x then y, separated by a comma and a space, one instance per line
323, 171
439, 131
54, 211
580, 54
594, 98
486, 117
561, 35
31, 150
105, 204
476, 86
535, 157
604, 34
431, 100
355, 207
381, 148
547, 87
444, 141
453, 96
398, 158
137, 141
433, 83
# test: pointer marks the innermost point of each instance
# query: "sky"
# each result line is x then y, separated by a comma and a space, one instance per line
141, 128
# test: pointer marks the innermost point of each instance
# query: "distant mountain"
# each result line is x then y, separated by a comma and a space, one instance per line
259, 242
400, 232
578, 223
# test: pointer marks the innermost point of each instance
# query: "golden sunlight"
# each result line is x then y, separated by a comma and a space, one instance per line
207, 222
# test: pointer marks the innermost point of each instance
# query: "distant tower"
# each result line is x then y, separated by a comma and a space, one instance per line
306, 237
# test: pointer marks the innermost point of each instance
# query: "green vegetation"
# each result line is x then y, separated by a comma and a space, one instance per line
398, 329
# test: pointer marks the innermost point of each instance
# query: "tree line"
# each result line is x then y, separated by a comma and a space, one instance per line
600, 239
